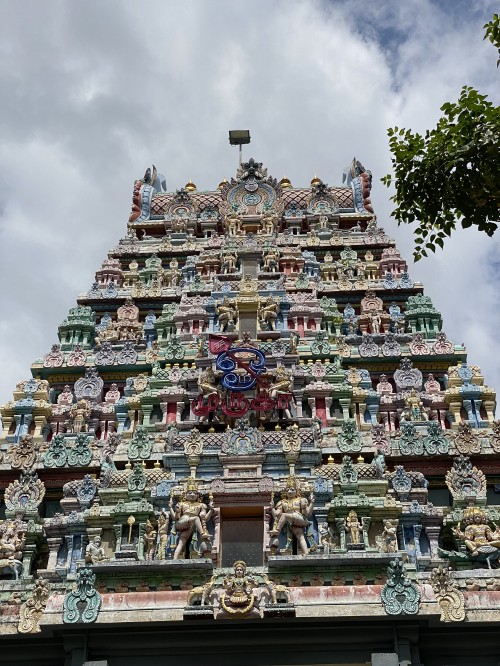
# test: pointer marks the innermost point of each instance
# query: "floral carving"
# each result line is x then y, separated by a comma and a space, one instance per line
23, 456
451, 601
26, 494
466, 441
31, 611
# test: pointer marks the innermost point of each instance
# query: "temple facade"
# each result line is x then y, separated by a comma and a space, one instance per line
253, 443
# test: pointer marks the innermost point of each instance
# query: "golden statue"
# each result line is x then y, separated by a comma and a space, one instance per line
353, 527
478, 534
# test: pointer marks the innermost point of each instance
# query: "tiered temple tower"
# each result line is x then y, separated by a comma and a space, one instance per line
253, 413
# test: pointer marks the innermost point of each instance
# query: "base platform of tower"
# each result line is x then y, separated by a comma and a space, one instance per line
253, 443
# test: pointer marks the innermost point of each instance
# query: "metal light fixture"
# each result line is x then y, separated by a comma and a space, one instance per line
238, 138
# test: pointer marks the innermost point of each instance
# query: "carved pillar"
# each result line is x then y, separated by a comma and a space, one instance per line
345, 403
433, 532
54, 544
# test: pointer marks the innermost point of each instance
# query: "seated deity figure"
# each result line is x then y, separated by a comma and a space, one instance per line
11, 542
414, 408
293, 511
66, 396
353, 528
268, 313
190, 517
478, 536
228, 315
238, 586
94, 553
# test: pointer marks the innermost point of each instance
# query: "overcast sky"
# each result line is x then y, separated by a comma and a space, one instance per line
94, 91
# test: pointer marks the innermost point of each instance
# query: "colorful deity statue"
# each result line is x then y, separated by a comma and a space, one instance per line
389, 538
282, 385
270, 262
414, 408
238, 588
228, 262
478, 537
228, 314
190, 517
268, 313
353, 528
12, 541
293, 511
78, 415
163, 523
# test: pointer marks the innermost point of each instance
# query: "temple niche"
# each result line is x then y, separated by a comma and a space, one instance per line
252, 413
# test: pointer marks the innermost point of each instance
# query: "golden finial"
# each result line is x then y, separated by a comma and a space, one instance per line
316, 181
360, 459
285, 183
221, 184
330, 460
190, 186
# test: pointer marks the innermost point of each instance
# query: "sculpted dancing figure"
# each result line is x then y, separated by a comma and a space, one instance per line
294, 511
190, 519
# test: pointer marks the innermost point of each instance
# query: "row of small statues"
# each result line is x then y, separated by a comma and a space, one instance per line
291, 515
267, 314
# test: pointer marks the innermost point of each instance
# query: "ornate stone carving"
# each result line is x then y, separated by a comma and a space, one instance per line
26, 494
90, 386
137, 479
466, 441
465, 481
435, 442
23, 456
140, 445
242, 439
400, 596
82, 604
407, 377
349, 439
31, 611
450, 599
495, 436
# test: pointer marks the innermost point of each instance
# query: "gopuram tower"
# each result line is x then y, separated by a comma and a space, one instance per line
252, 414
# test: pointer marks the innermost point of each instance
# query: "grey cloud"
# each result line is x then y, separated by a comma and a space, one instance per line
93, 92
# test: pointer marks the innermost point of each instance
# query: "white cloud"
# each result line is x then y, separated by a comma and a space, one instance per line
94, 92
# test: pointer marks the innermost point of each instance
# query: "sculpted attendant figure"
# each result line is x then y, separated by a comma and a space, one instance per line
149, 540
353, 527
190, 519
294, 511
94, 552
